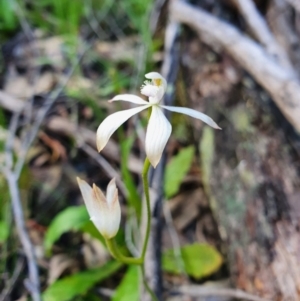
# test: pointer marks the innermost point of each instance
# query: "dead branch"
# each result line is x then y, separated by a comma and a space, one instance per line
112, 173
261, 31
283, 86
204, 291
11, 103
295, 4
83, 135
34, 282
12, 173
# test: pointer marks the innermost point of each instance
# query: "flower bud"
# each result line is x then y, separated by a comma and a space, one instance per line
105, 212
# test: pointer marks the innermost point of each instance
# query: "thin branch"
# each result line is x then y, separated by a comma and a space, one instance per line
12, 174
295, 4
34, 281
6, 291
110, 171
261, 31
40, 116
283, 86
205, 291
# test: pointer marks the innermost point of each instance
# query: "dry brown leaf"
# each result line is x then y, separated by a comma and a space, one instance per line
126, 49
185, 207
20, 87
52, 49
94, 253
10, 103
58, 265
58, 150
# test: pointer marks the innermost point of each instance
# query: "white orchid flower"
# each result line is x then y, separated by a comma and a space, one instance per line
159, 128
104, 212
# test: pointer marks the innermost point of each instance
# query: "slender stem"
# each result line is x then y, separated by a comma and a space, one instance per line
114, 250
147, 287
147, 195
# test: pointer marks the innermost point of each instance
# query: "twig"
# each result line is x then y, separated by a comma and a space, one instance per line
12, 174
261, 31
41, 114
6, 291
34, 281
155, 14
34, 53
68, 128
112, 173
11, 103
277, 80
295, 4
204, 291
83, 135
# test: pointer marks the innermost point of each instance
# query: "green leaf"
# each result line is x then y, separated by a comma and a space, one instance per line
4, 231
177, 169
200, 260
78, 284
72, 218
207, 148
128, 290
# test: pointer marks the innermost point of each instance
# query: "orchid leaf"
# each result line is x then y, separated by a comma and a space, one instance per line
177, 169
128, 290
199, 260
78, 284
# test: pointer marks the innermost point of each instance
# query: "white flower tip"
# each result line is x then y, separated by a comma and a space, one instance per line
154, 158
101, 140
154, 163
112, 182
84, 187
214, 125
100, 146
156, 76
153, 75
112, 193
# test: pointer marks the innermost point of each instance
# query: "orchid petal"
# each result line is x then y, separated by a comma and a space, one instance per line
130, 98
108, 220
149, 90
87, 194
114, 218
105, 216
110, 191
159, 95
193, 113
112, 122
158, 132
156, 75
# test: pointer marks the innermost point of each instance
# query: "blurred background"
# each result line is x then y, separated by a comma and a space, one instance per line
225, 203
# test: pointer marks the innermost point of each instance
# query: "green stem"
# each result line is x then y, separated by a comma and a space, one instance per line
148, 206
114, 250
